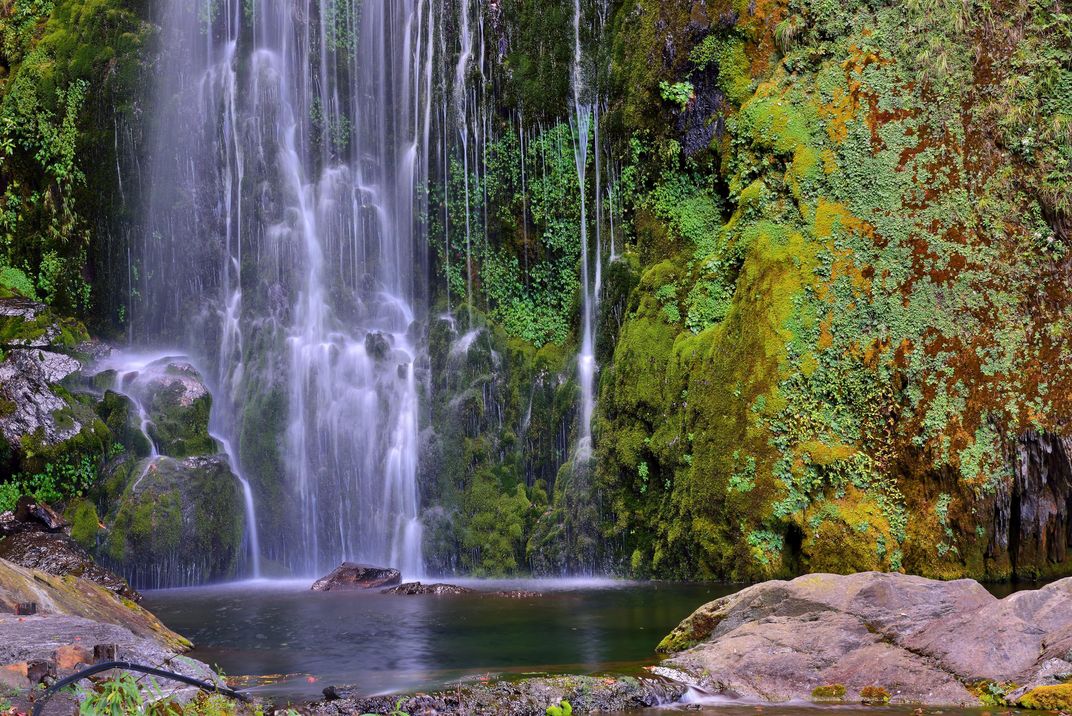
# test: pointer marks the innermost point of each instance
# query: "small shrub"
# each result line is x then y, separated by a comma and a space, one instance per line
874, 696
830, 691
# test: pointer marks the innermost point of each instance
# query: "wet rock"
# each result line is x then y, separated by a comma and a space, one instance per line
377, 345
60, 555
76, 615
530, 697
516, 594
37, 514
178, 404
349, 575
918, 639
173, 522
416, 588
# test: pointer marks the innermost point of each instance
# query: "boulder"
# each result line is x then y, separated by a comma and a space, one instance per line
349, 575
173, 523
416, 588
178, 404
916, 640
58, 554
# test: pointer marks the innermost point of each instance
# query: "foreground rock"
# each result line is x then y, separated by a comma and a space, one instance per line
77, 623
416, 588
530, 697
872, 637
349, 575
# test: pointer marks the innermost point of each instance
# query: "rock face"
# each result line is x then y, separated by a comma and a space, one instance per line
173, 522
32, 344
349, 575
416, 588
919, 640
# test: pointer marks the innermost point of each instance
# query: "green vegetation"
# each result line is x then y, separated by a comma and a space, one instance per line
562, 709
69, 72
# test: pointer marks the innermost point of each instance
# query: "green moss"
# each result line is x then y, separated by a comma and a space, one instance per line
874, 696
832, 692
85, 523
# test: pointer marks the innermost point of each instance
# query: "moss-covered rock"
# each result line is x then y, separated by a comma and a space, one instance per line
173, 522
1048, 698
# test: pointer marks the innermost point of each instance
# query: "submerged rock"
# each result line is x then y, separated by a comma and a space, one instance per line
416, 588
349, 575
529, 697
914, 639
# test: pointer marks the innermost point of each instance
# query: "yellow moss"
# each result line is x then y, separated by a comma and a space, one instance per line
1049, 698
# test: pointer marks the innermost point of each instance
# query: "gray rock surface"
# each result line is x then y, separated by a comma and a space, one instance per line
923, 641
27, 377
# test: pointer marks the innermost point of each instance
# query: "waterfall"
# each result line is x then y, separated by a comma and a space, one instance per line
285, 246
585, 124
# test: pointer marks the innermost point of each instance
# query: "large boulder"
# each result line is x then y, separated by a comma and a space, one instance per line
349, 575
869, 635
173, 522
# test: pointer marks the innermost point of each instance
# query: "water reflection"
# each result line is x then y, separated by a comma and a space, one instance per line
387, 643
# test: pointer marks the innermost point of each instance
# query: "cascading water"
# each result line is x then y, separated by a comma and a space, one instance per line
285, 246
585, 123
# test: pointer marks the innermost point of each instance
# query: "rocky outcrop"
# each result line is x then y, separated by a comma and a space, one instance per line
173, 522
872, 636
77, 623
32, 345
416, 588
530, 697
58, 554
349, 575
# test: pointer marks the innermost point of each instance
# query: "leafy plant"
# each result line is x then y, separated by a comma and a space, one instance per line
679, 93
115, 697
562, 709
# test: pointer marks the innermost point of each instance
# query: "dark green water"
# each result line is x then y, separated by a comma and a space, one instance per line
387, 643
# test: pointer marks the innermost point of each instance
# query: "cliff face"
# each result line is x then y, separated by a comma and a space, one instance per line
834, 320
847, 349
